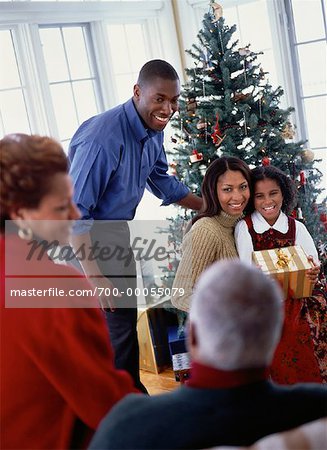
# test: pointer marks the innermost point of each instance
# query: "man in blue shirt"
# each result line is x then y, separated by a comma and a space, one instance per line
114, 156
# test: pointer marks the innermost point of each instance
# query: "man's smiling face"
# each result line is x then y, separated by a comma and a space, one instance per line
156, 101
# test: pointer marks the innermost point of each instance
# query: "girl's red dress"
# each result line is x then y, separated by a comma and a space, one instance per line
301, 355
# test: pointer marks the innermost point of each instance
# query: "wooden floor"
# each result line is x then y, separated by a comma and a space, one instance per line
158, 384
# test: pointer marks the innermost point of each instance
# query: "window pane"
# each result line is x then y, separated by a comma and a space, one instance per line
136, 46
312, 59
13, 112
308, 20
54, 54
76, 52
9, 76
255, 27
267, 61
316, 119
64, 108
124, 84
231, 18
85, 100
119, 48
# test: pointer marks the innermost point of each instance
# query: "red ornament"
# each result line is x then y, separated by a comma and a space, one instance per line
266, 161
217, 136
293, 214
170, 266
196, 156
302, 178
323, 217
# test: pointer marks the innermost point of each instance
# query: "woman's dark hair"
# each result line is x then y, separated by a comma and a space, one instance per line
156, 68
211, 206
27, 165
286, 184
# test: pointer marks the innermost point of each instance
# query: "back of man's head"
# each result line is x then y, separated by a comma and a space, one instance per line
156, 68
236, 317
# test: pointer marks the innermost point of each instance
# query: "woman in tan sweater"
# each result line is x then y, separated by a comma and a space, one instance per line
225, 192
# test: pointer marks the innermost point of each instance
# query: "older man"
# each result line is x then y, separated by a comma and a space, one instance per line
235, 324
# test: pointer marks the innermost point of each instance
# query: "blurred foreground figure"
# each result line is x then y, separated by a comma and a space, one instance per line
234, 326
57, 373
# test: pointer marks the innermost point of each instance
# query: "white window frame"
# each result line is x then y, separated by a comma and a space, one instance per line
25, 17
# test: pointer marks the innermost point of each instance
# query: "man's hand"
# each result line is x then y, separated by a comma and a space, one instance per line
191, 201
106, 291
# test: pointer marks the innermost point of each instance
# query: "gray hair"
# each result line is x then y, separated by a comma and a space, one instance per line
237, 313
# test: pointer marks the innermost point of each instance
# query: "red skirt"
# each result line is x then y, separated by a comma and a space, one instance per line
304, 330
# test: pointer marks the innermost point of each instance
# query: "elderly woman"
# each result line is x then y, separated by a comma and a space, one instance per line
225, 193
57, 374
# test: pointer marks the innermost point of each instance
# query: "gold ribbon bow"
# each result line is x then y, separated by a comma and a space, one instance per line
283, 259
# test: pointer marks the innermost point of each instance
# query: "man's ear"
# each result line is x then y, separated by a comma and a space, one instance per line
137, 92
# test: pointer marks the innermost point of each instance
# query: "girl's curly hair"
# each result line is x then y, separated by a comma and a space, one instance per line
286, 184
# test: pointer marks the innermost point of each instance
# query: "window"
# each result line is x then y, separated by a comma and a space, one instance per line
71, 76
308, 38
13, 109
66, 62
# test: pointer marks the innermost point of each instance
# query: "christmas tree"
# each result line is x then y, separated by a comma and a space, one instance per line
228, 108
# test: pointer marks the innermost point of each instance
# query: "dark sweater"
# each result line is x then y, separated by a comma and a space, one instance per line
200, 418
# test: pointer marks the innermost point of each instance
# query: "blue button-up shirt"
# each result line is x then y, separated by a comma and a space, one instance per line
113, 159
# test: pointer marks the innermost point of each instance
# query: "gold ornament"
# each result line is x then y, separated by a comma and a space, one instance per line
288, 131
307, 155
217, 11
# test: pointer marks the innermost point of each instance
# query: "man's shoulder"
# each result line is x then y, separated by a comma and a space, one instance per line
136, 409
102, 127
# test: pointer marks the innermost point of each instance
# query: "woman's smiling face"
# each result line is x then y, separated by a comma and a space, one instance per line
233, 192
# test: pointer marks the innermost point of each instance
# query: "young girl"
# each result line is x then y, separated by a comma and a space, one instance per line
302, 353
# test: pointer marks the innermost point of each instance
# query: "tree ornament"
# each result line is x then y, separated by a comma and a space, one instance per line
216, 135
302, 178
170, 266
203, 169
201, 125
196, 156
244, 51
299, 213
323, 217
191, 106
217, 11
307, 155
172, 167
288, 131
266, 161
240, 97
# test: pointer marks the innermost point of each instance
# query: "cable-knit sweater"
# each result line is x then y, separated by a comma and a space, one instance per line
210, 239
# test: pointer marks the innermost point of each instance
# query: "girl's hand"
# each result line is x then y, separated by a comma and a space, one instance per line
313, 273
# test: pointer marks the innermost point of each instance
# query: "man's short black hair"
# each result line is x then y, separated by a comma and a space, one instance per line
156, 68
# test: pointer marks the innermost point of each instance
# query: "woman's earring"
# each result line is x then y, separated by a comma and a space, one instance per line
25, 233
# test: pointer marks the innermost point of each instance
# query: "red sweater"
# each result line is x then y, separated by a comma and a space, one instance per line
57, 374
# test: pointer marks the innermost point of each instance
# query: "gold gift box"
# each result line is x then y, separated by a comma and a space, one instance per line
288, 266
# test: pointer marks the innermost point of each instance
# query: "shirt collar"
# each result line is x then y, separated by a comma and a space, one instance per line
141, 133
203, 376
260, 224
